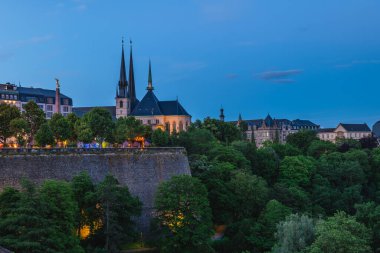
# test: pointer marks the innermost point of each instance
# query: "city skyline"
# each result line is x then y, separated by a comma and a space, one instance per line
314, 61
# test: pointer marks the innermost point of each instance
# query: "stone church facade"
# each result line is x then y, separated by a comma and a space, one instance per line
166, 115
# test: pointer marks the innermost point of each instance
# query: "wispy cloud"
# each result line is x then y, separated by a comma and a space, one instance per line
357, 62
283, 76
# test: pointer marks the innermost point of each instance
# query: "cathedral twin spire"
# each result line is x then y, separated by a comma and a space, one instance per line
129, 91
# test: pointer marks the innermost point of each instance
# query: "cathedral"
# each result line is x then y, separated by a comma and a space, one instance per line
166, 115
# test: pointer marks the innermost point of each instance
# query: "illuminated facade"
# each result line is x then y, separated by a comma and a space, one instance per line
274, 130
50, 101
345, 131
166, 115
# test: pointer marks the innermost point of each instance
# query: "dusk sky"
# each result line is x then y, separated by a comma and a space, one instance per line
317, 60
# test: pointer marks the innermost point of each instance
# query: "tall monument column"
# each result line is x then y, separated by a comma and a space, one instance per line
57, 97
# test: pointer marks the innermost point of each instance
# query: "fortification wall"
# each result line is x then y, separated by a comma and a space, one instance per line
140, 170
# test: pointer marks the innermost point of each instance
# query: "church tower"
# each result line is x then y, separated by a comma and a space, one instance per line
123, 103
132, 87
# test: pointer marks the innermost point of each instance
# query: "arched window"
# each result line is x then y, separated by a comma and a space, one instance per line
121, 104
167, 127
174, 126
180, 126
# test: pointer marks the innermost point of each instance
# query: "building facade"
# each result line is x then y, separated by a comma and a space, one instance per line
166, 115
273, 130
345, 131
50, 101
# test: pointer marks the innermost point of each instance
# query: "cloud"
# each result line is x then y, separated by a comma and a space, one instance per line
280, 76
357, 62
232, 76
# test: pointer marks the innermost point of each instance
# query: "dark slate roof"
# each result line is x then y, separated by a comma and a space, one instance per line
80, 111
269, 121
326, 130
172, 108
38, 92
149, 105
300, 122
356, 127
376, 129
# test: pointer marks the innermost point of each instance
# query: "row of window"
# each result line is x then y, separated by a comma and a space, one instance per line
8, 96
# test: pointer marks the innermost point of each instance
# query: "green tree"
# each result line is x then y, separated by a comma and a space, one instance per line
294, 234
72, 119
369, 214
283, 150
184, 215
20, 129
99, 121
250, 195
83, 132
262, 235
160, 138
59, 208
296, 171
319, 147
60, 127
117, 208
197, 141
128, 128
7, 114
266, 164
302, 139
35, 118
85, 197
341, 233
228, 154
44, 136
35, 221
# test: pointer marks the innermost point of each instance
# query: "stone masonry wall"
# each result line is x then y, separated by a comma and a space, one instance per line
140, 170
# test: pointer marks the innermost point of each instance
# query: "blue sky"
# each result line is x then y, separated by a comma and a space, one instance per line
317, 60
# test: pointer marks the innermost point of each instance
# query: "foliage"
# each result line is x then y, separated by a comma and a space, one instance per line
341, 233
226, 132
116, 207
38, 220
7, 114
128, 128
60, 127
369, 214
20, 129
266, 164
302, 139
196, 141
262, 235
99, 121
184, 215
319, 147
294, 234
44, 136
250, 195
35, 118
160, 138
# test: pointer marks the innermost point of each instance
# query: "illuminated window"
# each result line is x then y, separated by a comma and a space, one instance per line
180, 126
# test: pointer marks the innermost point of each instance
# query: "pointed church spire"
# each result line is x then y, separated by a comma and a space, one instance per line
150, 85
131, 88
123, 83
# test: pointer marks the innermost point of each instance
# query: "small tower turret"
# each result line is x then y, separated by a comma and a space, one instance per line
57, 97
221, 116
150, 85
